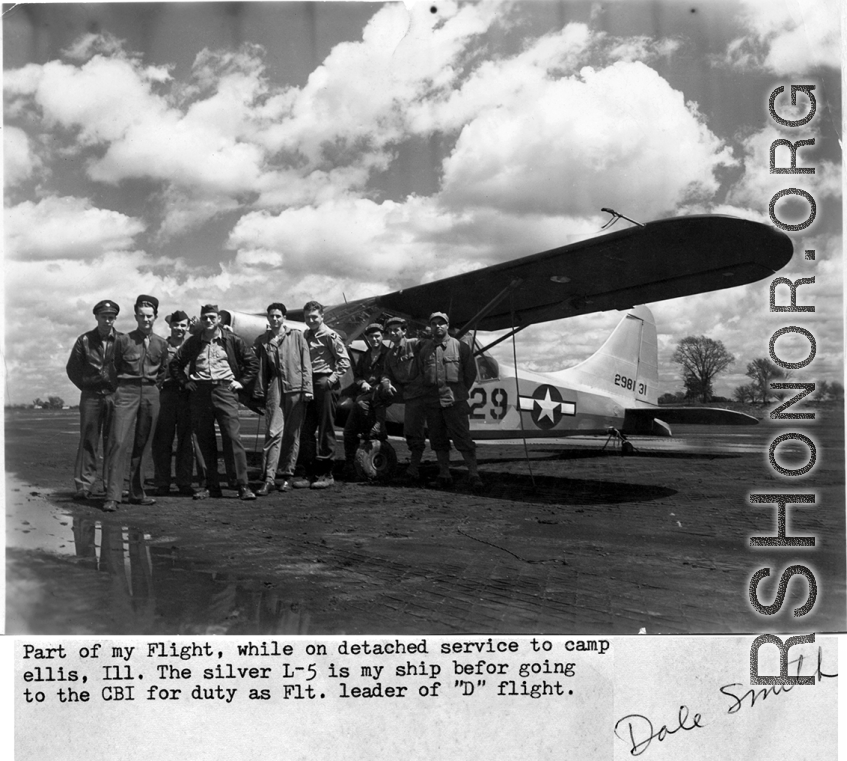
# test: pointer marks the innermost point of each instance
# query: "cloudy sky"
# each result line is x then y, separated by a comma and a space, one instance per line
250, 152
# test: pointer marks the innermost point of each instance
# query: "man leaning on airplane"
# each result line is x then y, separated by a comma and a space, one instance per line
90, 369
448, 371
370, 402
401, 381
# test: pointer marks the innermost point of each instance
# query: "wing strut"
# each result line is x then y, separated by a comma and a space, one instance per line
500, 340
469, 325
518, 389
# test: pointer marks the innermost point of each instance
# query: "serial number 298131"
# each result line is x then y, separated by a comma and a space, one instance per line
629, 384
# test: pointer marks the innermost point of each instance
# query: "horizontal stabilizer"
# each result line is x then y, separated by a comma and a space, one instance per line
641, 420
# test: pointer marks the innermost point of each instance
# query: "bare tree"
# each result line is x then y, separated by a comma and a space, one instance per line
745, 394
822, 390
701, 358
763, 372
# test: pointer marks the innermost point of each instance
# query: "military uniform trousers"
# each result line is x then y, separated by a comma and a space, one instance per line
446, 423
95, 422
213, 401
368, 408
174, 422
284, 415
133, 423
317, 440
414, 423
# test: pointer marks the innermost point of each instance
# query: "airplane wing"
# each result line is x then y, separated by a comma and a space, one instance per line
661, 260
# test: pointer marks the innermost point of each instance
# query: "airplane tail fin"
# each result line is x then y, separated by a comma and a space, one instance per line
627, 364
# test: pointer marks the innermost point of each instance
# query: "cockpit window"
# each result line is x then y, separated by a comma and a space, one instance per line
487, 368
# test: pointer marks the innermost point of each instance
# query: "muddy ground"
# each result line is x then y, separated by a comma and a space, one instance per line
574, 538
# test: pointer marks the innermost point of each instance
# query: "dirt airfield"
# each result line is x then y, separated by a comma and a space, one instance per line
572, 538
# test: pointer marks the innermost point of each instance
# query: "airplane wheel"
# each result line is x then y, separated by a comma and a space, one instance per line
626, 448
375, 460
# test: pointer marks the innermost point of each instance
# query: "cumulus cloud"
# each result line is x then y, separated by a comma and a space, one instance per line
184, 211
66, 228
92, 44
114, 102
393, 244
787, 37
541, 144
374, 241
228, 135
757, 186
643, 48
19, 160
360, 101
620, 136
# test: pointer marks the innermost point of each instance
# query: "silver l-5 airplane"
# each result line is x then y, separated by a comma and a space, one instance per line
616, 389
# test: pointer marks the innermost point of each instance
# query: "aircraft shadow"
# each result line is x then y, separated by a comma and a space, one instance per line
556, 490
581, 454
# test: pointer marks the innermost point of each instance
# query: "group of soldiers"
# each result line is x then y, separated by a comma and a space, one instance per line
141, 392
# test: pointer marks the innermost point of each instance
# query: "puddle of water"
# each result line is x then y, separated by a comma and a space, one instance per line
68, 574
33, 523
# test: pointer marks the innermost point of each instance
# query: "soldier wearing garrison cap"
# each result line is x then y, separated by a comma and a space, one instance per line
91, 370
174, 419
140, 361
368, 412
447, 369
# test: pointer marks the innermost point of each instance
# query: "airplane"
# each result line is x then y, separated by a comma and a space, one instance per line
615, 391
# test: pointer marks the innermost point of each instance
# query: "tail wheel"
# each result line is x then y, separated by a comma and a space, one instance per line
627, 448
375, 460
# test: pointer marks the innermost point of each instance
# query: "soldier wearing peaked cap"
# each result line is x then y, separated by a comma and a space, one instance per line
140, 361
174, 419
91, 370
447, 369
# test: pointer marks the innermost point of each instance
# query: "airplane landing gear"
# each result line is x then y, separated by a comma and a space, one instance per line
375, 460
616, 438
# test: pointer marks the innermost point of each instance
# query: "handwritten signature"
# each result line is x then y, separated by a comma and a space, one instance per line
639, 731
641, 727
762, 693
